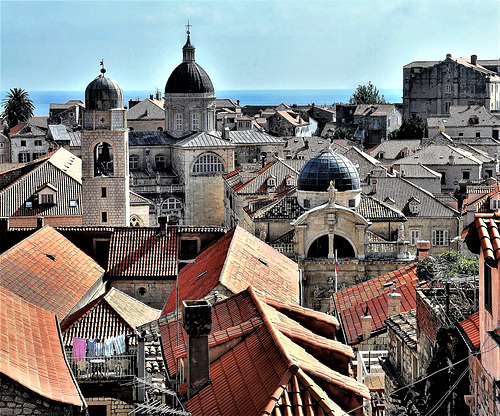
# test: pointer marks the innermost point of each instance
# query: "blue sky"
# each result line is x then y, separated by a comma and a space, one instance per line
57, 45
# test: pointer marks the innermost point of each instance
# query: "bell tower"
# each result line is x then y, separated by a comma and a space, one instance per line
105, 155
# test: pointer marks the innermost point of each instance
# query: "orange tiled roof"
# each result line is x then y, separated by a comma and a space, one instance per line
351, 303
262, 370
236, 261
31, 351
143, 252
49, 271
109, 315
470, 326
17, 128
489, 237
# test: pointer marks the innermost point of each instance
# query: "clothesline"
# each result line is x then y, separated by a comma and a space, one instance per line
83, 347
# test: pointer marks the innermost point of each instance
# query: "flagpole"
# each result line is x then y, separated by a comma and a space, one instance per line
336, 271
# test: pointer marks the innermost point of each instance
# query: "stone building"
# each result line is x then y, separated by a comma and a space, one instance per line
68, 114
375, 121
4, 149
433, 87
105, 155
288, 123
27, 143
146, 115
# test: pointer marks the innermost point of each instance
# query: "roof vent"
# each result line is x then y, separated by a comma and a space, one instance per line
201, 274
263, 262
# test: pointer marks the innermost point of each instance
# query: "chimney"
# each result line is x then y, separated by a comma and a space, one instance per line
158, 95
423, 248
39, 222
393, 303
150, 96
473, 59
366, 326
237, 102
225, 133
197, 322
448, 55
451, 160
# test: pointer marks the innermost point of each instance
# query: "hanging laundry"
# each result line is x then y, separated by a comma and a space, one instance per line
119, 344
91, 343
98, 348
79, 348
108, 347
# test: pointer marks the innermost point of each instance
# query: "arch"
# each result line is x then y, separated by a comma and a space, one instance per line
103, 156
136, 221
169, 205
208, 163
319, 247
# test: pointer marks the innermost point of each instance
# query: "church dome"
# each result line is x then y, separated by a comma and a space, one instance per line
103, 94
189, 77
317, 173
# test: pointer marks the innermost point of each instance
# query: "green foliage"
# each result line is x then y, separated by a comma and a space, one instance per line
342, 133
448, 264
18, 107
412, 128
367, 94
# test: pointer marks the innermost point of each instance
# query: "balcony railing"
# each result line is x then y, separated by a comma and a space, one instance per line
387, 249
103, 367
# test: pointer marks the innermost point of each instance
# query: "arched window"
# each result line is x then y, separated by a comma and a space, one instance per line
208, 163
136, 221
103, 159
169, 205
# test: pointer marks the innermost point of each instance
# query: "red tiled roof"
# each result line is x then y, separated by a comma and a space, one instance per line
49, 271
235, 261
489, 237
262, 371
111, 314
351, 303
17, 128
31, 351
143, 252
471, 327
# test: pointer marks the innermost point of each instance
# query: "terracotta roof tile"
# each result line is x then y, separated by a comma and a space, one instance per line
470, 326
32, 354
49, 271
351, 303
140, 252
236, 261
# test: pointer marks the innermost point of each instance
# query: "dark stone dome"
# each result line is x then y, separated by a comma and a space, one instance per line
103, 94
328, 166
189, 78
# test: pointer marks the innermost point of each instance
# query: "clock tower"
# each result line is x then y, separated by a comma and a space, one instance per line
105, 155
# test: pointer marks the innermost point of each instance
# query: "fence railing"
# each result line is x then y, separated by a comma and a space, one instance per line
103, 367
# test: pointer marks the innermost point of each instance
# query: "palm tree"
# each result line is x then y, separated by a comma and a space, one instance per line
18, 107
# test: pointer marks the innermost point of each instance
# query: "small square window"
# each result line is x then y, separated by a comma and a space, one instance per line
466, 174
73, 203
47, 199
29, 204
104, 192
307, 203
38, 142
104, 217
23, 143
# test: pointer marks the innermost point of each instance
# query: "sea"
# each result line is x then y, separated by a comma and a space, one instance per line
319, 97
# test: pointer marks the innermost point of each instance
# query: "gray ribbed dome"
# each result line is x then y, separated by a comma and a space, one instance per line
189, 77
103, 94
329, 166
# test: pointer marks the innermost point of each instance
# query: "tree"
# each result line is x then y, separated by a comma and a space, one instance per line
18, 107
367, 94
411, 129
343, 133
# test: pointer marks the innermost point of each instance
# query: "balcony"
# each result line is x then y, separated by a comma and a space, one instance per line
103, 367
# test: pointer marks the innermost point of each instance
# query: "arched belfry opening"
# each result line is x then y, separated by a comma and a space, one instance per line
320, 247
103, 159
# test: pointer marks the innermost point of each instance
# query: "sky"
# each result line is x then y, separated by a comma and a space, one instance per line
57, 45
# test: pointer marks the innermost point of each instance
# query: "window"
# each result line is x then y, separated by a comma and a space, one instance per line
37, 155
271, 182
460, 135
38, 142
133, 162
414, 237
487, 287
104, 191
439, 237
307, 203
380, 155
23, 143
104, 217
289, 181
478, 134
195, 121
208, 163
466, 174
178, 121
47, 199
160, 161
448, 89
443, 178
447, 105
352, 203
171, 204
73, 203
29, 204
23, 157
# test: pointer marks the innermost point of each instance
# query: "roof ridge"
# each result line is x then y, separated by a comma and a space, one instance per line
113, 289
229, 248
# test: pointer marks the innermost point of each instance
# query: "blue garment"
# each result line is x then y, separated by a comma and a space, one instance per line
108, 347
119, 344
91, 343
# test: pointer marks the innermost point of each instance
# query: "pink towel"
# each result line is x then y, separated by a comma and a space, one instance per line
79, 348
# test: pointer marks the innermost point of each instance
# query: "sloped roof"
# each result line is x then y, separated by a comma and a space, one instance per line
262, 371
484, 237
290, 116
136, 199
470, 327
286, 208
242, 137
392, 148
31, 352
143, 251
463, 61
49, 271
375, 210
148, 109
418, 171
439, 155
109, 315
460, 115
373, 110
238, 260
149, 138
404, 324
350, 304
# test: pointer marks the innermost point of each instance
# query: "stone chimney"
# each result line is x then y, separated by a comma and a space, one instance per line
473, 59
366, 326
197, 322
225, 133
39, 222
451, 160
393, 303
423, 248
448, 55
